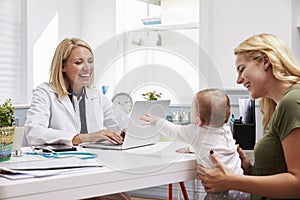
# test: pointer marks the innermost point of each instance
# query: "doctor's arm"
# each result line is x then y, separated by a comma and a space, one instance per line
114, 120
42, 126
97, 136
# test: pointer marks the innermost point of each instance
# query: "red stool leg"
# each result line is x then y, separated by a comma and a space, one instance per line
170, 192
185, 194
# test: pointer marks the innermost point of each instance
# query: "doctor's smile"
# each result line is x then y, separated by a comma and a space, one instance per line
79, 67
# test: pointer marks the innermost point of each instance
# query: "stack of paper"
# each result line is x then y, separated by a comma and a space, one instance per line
46, 167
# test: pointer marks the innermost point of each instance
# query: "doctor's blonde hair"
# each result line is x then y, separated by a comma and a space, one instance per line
57, 77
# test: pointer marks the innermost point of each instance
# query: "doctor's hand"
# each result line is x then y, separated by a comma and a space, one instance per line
110, 136
215, 179
98, 135
149, 119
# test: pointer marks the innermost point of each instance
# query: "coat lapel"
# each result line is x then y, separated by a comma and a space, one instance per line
92, 107
65, 101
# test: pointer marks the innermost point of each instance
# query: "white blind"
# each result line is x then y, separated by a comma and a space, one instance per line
10, 50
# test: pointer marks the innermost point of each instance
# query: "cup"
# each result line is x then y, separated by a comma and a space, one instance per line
6, 142
18, 138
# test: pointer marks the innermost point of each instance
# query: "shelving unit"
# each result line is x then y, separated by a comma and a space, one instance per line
161, 27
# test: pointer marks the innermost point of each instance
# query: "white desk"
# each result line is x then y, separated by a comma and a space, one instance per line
123, 171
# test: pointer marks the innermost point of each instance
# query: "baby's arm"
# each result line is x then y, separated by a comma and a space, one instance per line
149, 119
183, 133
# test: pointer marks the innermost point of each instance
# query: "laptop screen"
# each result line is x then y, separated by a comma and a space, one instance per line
137, 133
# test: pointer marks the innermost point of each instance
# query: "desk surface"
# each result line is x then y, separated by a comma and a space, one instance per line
122, 171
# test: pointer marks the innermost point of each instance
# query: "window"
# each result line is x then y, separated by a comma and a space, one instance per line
10, 51
151, 59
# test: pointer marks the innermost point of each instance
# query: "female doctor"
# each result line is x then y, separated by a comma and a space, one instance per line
65, 109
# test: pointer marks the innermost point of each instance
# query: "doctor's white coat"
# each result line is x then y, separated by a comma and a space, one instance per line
52, 118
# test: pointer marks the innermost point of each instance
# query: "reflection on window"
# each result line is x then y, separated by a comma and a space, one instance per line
132, 13
151, 65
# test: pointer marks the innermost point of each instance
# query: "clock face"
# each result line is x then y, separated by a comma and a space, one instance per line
124, 101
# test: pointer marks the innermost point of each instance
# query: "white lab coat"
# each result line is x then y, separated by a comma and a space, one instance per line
52, 118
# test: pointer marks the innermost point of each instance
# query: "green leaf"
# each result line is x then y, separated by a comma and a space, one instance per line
7, 112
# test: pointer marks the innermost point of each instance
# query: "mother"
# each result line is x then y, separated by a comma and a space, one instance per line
268, 69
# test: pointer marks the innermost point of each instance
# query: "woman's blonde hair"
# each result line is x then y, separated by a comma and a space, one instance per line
58, 78
283, 63
212, 106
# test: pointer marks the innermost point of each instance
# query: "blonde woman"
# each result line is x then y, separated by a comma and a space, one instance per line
268, 70
67, 110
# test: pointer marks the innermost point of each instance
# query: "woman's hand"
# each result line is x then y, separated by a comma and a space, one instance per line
149, 119
214, 180
111, 137
246, 164
96, 136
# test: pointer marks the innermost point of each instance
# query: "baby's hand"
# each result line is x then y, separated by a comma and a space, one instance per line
149, 119
184, 150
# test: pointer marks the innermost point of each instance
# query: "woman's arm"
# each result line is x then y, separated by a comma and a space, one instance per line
48, 119
283, 185
96, 136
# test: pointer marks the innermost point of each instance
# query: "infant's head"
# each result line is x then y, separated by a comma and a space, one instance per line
211, 107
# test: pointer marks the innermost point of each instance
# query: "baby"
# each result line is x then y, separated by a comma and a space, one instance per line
207, 131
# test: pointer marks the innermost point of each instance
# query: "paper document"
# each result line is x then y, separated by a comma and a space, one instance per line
45, 167
51, 163
22, 174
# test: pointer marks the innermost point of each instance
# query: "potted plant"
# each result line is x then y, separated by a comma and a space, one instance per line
7, 128
152, 95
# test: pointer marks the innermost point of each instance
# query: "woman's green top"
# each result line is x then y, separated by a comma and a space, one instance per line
268, 152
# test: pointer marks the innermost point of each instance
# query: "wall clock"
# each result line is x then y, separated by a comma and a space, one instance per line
124, 101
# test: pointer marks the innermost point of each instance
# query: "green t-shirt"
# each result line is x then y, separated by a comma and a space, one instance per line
268, 152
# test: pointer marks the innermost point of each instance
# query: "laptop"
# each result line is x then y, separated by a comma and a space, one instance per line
138, 134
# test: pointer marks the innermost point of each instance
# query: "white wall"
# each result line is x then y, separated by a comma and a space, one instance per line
97, 21
224, 24
178, 11
47, 23
296, 28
